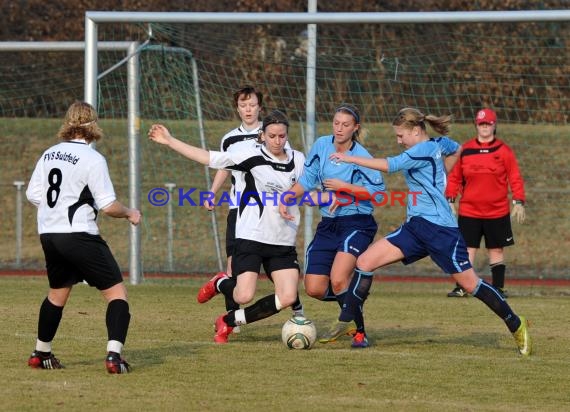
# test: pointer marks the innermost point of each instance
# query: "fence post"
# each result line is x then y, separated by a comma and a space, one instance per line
19, 185
170, 229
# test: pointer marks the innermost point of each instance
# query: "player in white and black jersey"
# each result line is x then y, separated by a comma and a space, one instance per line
248, 102
70, 185
263, 237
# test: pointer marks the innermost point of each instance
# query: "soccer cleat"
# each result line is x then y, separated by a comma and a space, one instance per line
359, 340
522, 338
208, 290
223, 330
458, 292
41, 360
116, 364
338, 329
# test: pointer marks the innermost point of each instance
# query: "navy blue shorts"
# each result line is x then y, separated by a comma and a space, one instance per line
419, 238
351, 234
75, 257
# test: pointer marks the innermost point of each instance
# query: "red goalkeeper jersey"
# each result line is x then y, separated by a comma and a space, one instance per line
482, 176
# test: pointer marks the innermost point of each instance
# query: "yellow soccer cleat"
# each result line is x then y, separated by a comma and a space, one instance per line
337, 330
522, 338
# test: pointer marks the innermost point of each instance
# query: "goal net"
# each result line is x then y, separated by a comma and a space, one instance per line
519, 69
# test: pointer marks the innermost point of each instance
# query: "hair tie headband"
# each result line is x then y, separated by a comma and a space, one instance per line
349, 110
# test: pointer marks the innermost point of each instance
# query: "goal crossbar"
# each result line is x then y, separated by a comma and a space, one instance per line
331, 17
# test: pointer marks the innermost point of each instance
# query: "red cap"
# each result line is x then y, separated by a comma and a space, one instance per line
486, 116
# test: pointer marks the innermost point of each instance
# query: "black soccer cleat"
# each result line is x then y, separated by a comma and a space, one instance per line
458, 292
43, 360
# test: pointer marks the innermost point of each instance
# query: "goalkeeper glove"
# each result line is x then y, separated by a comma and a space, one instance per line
518, 212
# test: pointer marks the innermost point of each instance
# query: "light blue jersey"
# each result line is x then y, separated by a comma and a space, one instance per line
424, 171
319, 167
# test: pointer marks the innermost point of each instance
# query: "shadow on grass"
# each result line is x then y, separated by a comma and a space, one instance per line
140, 358
386, 337
392, 337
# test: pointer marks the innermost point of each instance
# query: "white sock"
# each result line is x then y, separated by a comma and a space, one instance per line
278, 304
240, 317
114, 346
43, 346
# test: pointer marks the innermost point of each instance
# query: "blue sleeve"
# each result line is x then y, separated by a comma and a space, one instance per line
410, 159
310, 178
373, 182
448, 146
371, 179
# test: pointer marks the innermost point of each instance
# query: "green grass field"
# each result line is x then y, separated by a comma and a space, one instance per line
429, 353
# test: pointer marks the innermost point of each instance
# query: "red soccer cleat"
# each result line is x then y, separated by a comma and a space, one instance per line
44, 361
359, 340
223, 330
115, 364
208, 290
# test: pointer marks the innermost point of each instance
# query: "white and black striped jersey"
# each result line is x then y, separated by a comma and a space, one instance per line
265, 179
237, 135
70, 183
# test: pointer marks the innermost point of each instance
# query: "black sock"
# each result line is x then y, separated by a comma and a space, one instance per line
358, 317
340, 298
360, 285
297, 305
117, 320
226, 286
493, 299
230, 318
48, 321
329, 295
230, 303
261, 309
498, 274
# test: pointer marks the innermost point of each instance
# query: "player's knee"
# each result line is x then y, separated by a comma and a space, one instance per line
314, 292
468, 280
365, 263
243, 297
339, 285
118, 291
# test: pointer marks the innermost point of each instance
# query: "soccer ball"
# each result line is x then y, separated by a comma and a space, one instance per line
299, 333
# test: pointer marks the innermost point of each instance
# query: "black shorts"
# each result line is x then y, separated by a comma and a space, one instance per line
249, 255
497, 232
231, 232
75, 257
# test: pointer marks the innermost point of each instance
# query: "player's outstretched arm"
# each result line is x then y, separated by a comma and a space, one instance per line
118, 210
160, 134
378, 164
